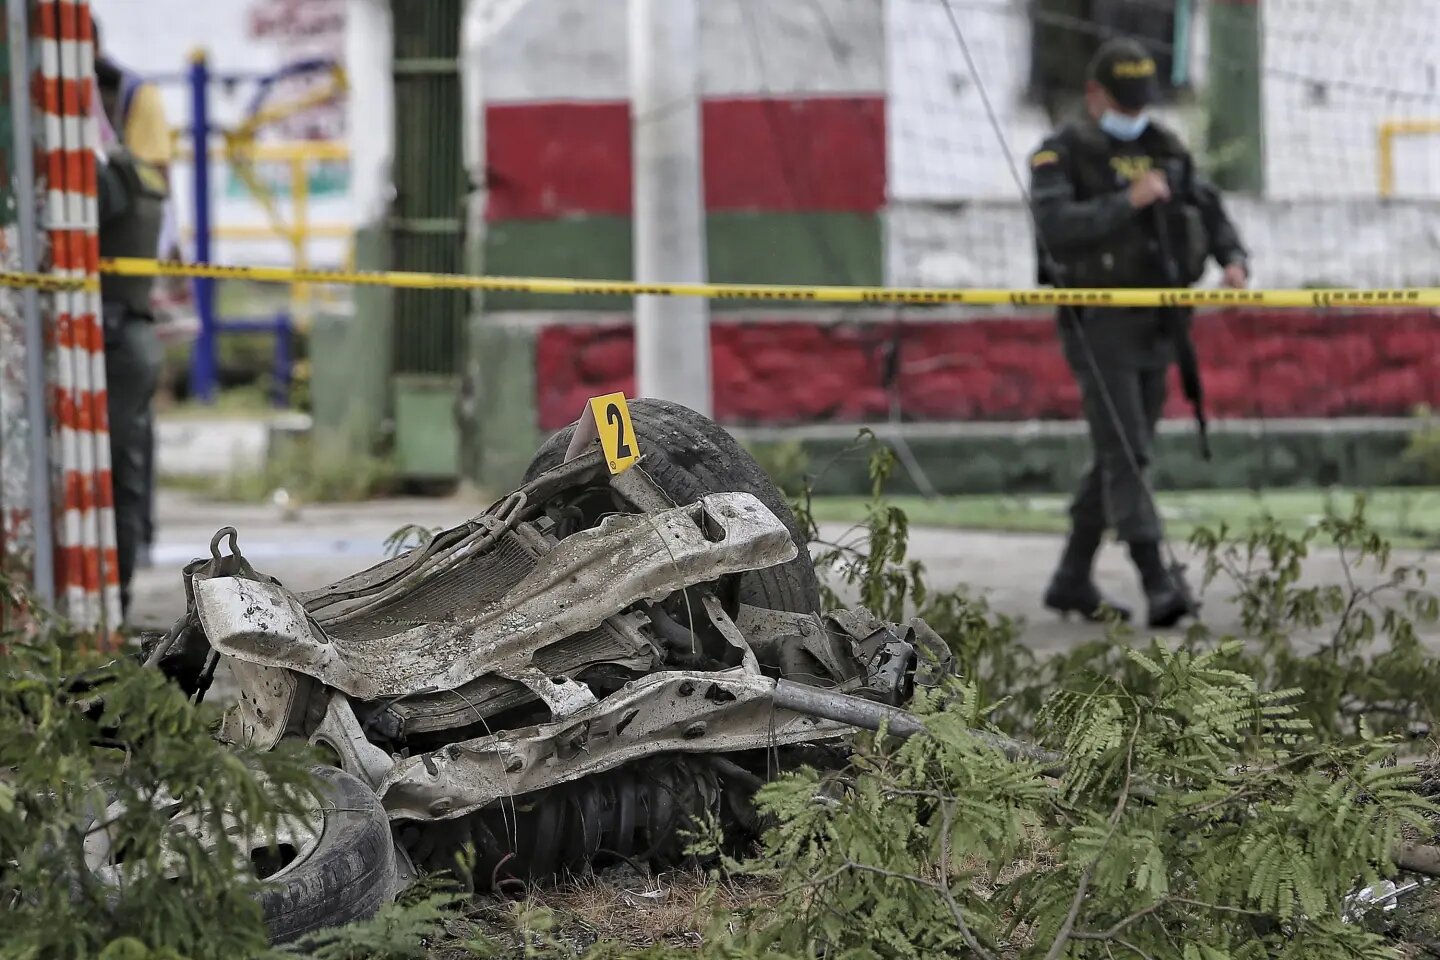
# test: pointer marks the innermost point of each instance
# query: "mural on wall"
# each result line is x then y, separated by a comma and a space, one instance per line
303, 30
302, 33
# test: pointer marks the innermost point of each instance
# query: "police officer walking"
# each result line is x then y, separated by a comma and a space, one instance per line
1118, 203
132, 196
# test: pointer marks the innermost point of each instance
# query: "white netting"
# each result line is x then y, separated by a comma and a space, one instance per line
1335, 75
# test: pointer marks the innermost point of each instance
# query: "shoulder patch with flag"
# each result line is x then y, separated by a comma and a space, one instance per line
1044, 157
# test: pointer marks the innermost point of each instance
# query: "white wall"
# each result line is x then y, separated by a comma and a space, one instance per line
576, 49
157, 37
1358, 242
1334, 70
942, 143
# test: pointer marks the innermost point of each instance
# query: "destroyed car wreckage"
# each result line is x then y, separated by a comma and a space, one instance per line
579, 672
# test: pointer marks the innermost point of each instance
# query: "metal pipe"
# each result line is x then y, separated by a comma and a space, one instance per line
283, 365
672, 337
301, 299
22, 159
1385, 151
869, 715
227, 77
316, 150
202, 355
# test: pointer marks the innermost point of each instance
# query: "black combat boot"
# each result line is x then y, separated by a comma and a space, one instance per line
1166, 591
1072, 590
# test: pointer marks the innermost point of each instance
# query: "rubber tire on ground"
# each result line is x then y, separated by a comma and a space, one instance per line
689, 456
349, 875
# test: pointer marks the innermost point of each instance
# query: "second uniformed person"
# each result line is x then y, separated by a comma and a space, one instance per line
1118, 203
132, 197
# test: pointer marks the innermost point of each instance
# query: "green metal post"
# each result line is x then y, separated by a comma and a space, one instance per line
427, 233
1235, 130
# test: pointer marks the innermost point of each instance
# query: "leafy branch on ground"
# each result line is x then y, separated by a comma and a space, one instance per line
100, 761
1198, 817
1374, 664
1222, 796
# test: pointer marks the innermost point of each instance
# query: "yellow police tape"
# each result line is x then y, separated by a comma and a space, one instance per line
131, 267
47, 282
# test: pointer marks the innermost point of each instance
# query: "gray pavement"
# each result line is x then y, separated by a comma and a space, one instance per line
320, 544
1011, 571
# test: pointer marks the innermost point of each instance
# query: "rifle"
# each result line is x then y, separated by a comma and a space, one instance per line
1053, 275
1177, 321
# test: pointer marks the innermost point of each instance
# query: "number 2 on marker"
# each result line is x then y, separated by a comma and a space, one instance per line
617, 435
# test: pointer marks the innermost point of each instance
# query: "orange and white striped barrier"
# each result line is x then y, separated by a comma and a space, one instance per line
86, 569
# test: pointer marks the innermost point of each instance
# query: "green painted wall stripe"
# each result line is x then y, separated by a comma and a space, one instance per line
595, 247
805, 248
818, 248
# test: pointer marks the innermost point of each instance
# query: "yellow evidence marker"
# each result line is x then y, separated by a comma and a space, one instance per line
609, 419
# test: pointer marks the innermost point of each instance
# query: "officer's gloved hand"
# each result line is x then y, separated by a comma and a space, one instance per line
1150, 187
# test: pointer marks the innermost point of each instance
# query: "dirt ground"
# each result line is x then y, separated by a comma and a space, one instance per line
320, 544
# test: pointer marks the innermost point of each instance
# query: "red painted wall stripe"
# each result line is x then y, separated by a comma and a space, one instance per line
552, 160
556, 160
1257, 364
806, 154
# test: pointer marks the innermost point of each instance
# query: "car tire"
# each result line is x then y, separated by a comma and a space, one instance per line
349, 875
335, 865
688, 456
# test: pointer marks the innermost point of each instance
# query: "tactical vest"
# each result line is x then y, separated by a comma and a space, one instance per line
136, 232
1132, 255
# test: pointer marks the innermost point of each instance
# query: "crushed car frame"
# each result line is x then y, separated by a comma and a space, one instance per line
597, 660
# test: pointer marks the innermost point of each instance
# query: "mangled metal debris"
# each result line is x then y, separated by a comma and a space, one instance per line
579, 672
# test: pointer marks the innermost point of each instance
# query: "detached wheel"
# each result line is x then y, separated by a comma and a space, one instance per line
335, 866
689, 456
348, 874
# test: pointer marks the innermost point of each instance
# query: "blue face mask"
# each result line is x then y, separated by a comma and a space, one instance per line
1123, 127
